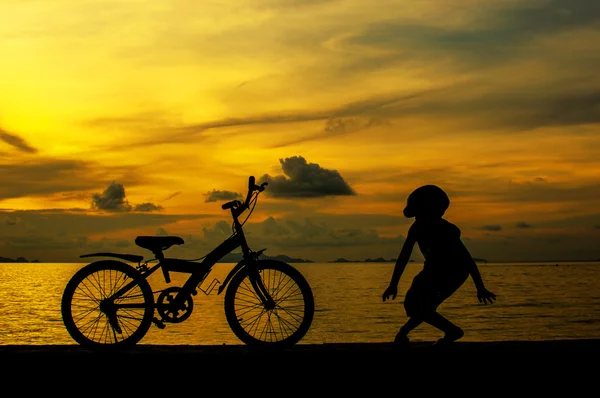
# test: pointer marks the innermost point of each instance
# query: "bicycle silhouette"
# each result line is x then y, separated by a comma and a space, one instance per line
109, 303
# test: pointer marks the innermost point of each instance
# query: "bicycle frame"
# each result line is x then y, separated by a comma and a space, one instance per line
199, 270
267, 302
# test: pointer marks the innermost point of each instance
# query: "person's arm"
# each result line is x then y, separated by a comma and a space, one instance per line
483, 294
402, 260
472, 267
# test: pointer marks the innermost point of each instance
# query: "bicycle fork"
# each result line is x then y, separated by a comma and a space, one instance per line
261, 290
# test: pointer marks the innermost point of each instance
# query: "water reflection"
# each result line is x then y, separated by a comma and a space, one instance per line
535, 303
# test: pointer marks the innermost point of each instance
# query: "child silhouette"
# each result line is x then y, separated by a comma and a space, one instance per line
447, 265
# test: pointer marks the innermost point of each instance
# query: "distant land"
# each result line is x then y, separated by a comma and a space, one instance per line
236, 257
229, 258
383, 260
17, 260
368, 260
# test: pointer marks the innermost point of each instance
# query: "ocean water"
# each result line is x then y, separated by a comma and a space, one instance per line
536, 301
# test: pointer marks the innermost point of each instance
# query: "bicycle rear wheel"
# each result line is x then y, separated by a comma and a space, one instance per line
94, 319
283, 325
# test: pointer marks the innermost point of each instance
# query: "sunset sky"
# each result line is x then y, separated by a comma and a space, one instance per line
121, 118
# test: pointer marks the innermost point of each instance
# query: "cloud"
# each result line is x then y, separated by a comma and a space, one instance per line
12, 220
122, 243
16, 142
171, 196
345, 119
493, 228
161, 232
498, 36
217, 196
66, 178
147, 207
62, 235
522, 225
44, 177
305, 180
113, 200
335, 127
306, 238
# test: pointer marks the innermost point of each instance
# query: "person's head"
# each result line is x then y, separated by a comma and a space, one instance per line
427, 201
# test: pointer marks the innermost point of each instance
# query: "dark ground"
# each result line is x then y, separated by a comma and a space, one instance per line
332, 351
341, 369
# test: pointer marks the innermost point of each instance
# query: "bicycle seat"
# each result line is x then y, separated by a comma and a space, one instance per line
158, 243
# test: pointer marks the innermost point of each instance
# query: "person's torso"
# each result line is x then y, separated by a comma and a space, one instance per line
439, 242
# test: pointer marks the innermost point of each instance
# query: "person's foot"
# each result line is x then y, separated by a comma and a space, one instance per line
450, 337
401, 341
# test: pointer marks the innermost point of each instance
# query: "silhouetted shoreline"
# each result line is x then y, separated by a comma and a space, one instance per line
329, 352
17, 260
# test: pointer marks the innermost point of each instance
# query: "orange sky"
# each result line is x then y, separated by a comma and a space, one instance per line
123, 118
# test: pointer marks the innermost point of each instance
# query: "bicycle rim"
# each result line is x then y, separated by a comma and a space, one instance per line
83, 314
283, 325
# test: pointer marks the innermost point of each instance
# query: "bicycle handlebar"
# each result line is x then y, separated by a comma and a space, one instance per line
251, 188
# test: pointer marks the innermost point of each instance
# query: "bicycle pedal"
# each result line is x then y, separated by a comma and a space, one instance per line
159, 324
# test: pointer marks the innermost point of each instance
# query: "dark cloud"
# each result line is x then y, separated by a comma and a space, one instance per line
493, 228
305, 180
112, 199
47, 177
147, 207
522, 224
16, 142
502, 108
547, 192
306, 238
161, 232
62, 235
286, 4
477, 103
171, 196
499, 37
335, 127
12, 220
337, 120
122, 243
217, 196
217, 233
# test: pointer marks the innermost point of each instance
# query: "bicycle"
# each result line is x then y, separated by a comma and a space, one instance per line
110, 303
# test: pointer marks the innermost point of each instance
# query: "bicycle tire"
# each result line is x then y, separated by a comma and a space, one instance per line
80, 317
245, 313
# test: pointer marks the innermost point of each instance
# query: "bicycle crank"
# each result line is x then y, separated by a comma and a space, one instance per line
172, 307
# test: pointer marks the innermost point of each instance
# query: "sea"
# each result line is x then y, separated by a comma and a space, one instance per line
535, 301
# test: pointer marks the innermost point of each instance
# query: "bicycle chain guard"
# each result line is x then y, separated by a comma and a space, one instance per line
167, 309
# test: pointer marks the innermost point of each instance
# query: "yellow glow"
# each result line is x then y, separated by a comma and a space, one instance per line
174, 99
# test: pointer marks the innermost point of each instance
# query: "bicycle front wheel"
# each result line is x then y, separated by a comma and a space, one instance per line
94, 319
286, 322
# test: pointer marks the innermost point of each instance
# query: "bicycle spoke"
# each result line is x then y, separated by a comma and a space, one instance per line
125, 318
270, 325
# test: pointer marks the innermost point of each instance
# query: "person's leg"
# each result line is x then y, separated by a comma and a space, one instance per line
402, 336
446, 288
411, 306
451, 331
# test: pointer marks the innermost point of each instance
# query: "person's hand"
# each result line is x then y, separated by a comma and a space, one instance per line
390, 291
485, 296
